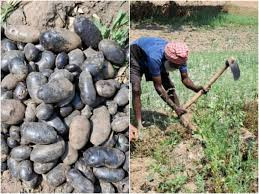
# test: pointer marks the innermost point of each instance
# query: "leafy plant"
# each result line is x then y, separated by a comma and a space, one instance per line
7, 8
118, 31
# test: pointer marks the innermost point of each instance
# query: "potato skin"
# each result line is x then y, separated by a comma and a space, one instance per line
59, 40
38, 133
103, 156
48, 153
109, 174
79, 182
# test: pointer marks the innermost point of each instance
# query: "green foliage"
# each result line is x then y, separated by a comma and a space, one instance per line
172, 185
7, 8
219, 116
118, 31
204, 18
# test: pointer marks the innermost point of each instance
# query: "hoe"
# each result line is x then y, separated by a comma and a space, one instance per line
232, 63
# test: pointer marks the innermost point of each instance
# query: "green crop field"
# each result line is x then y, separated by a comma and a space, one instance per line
229, 164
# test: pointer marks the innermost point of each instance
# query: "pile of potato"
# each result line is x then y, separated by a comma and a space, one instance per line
64, 116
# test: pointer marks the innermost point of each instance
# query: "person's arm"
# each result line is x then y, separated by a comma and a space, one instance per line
188, 82
163, 94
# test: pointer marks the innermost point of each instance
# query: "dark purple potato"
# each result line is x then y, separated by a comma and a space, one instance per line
109, 174
85, 170
7, 45
33, 183
76, 102
48, 153
87, 90
18, 67
20, 46
22, 33
112, 51
79, 182
44, 111
42, 168
106, 88
3, 166
46, 61
38, 133
122, 97
70, 117
120, 124
100, 130
57, 91
70, 155
12, 111
14, 132
12, 143
88, 32
123, 185
47, 72
122, 143
25, 170
112, 107
111, 141
59, 40
73, 68
20, 91
34, 81
62, 73
61, 60
21, 153
107, 187
103, 156
13, 167
58, 124
86, 111
6, 94
94, 62
31, 52
8, 56
126, 163
65, 111
79, 132
76, 57
57, 175
4, 149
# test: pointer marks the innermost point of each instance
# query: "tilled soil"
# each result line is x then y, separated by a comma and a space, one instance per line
198, 39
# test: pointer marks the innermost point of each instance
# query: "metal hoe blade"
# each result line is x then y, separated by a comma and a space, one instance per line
234, 68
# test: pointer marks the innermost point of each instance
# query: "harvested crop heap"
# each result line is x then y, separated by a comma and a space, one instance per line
64, 115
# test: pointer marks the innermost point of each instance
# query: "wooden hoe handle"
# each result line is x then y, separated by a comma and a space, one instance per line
207, 86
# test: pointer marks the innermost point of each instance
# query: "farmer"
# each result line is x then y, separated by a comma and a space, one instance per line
156, 57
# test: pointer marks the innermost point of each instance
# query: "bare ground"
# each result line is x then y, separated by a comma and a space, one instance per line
198, 40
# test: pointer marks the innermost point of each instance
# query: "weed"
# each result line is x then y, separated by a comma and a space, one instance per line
7, 8
119, 30
219, 116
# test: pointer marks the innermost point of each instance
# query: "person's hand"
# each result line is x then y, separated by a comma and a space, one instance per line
133, 133
180, 111
204, 90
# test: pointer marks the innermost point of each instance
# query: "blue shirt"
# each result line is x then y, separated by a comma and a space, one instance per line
154, 49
